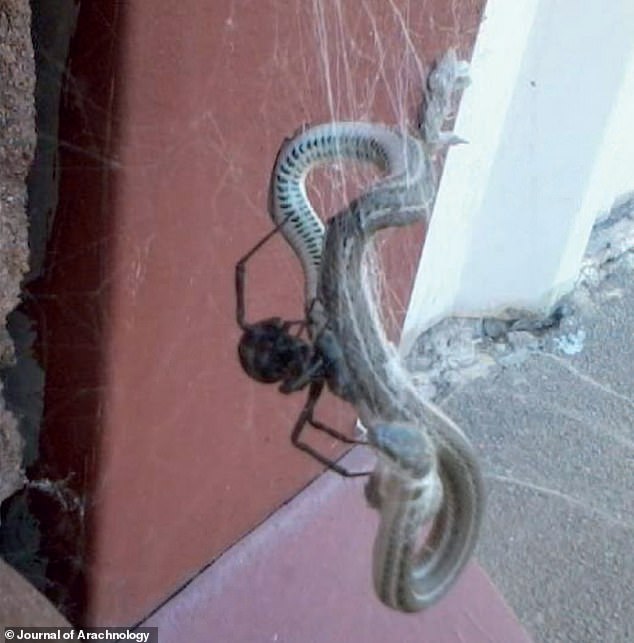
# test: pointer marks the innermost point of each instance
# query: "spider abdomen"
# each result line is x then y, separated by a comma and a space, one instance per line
268, 353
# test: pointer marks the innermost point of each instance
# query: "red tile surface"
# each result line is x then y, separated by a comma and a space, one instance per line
171, 119
305, 575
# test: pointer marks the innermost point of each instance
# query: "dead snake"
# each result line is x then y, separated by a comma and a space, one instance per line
426, 467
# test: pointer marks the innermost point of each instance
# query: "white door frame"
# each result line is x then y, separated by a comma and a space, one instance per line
549, 118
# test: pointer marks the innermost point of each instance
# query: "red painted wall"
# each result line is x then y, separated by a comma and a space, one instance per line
172, 117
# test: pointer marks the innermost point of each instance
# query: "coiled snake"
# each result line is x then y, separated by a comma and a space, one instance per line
426, 467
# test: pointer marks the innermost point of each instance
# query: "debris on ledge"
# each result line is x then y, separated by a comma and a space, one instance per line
457, 350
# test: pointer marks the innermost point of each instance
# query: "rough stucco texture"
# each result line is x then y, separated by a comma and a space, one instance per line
17, 142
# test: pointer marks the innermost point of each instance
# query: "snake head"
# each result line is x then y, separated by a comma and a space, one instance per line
406, 469
407, 449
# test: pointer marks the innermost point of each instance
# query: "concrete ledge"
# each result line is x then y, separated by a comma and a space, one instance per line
305, 575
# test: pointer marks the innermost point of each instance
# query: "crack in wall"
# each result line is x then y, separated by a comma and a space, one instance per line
50, 27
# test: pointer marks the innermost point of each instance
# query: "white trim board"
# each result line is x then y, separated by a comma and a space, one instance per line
549, 118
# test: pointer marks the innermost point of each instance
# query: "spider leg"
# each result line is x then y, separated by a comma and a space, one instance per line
240, 275
306, 417
312, 373
320, 426
300, 323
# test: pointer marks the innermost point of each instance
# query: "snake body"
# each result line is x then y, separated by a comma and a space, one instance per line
426, 467
406, 577
378, 145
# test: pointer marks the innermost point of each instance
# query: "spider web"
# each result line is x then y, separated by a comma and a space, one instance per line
363, 61
379, 80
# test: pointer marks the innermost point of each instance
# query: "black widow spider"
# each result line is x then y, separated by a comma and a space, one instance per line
270, 353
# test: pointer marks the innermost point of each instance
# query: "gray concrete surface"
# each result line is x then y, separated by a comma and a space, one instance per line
555, 430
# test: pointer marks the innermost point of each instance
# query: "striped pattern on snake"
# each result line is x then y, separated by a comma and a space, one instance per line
426, 467
406, 577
